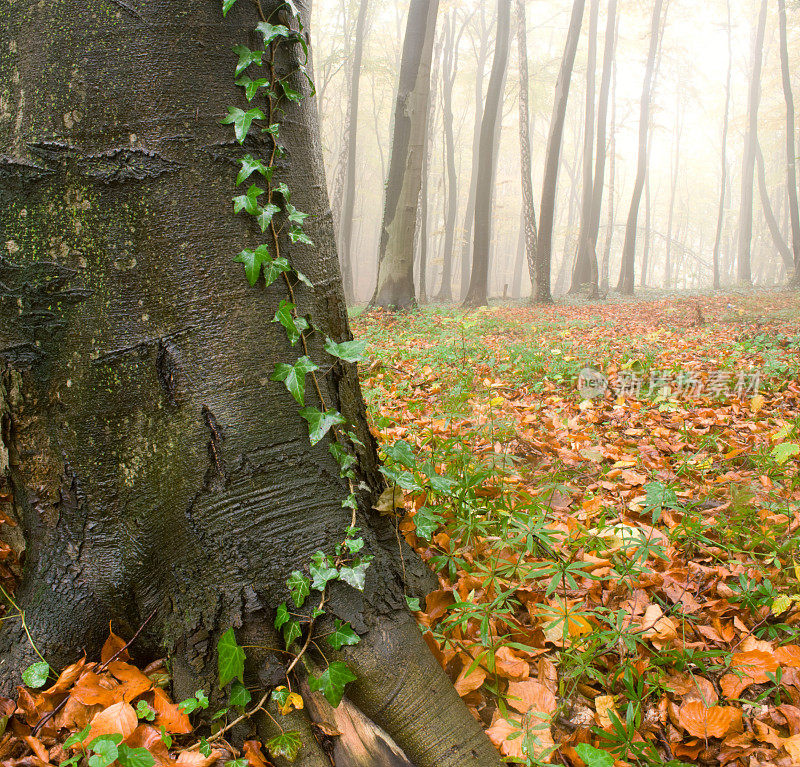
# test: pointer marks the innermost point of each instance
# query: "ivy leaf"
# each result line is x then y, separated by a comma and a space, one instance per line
205, 747
253, 260
295, 216
413, 604
298, 235
322, 571
272, 32
36, 675
251, 86
282, 617
349, 351
290, 92
295, 326
342, 635
230, 659
134, 757
237, 763
291, 632
355, 575
248, 202
240, 696
246, 58
275, 269
286, 745
283, 191
332, 681
292, 7
319, 423
294, 378
249, 166
242, 120
265, 215
299, 587
594, 757
304, 279
226, 6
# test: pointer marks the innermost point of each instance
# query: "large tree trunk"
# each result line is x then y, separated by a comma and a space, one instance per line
348, 203
528, 209
791, 160
769, 215
749, 155
724, 173
395, 285
627, 270
544, 252
477, 293
584, 275
156, 470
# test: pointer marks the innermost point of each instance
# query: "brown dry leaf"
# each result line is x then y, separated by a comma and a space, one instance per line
792, 746
254, 755
196, 759
112, 646
659, 629
134, 682
530, 695
603, 705
119, 718
92, 689
508, 665
467, 683
709, 722
390, 500
747, 668
66, 678
38, 748
500, 732
147, 736
692, 687
788, 655
168, 715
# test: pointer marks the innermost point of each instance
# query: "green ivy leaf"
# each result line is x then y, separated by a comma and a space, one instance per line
286, 745
275, 269
36, 674
594, 757
299, 587
298, 235
292, 7
282, 616
253, 260
295, 216
240, 696
241, 120
342, 635
226, 6
251, 86
237, 763
355, 575
266, 214
413, 604
272, 32
332, 681
230, 659
319, 423
349, 351
248, 202
249, 166
134, 757
246, 58
291, 632
322, 571
205, 747
304, 279
294, 378
295, 326
283, 191
290, 92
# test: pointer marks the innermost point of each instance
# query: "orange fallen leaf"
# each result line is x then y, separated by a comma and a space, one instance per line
709, 721
508, 665
531, 695
469, 682
112, 646
119, 718
168, 715
254, 755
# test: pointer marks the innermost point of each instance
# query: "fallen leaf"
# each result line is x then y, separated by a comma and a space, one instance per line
709, 721
118, 718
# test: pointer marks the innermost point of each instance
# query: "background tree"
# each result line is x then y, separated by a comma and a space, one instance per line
395, 284
724, 173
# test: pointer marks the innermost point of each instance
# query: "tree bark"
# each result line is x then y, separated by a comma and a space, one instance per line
544, 254
676, 160
395, 284
749, 156
627, 271
724, 172
477, 293
612, 179
791, 159
156, 470
348, 203
769, 215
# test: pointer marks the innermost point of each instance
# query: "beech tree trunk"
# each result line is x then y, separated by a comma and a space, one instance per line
627, 270
675, 166
477, 293
155, 468
724, 173
612, 179
395, 285
749, 156
544, 253
769, 215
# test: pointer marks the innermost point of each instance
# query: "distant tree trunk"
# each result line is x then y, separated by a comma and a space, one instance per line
477, 294
585, 272
469, 214
348, 204
749, 157
628, 268
395, 284
673, 191
769, 215
516, 284
602, 127
791, 164
724, 173
647, 238
612, 179
528, 209
544, 254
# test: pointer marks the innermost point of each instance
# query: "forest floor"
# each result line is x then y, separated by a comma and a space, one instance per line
618, 566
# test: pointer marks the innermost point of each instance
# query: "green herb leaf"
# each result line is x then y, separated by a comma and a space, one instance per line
286, 745
246, 58
427, 522
135, 757
332, 681
78, 737
230, 659
349, 351
36, 675
319, 423
413, 604
594, 757
237, 763
299, 587
342, 635
294, 378
166, 739
144, 711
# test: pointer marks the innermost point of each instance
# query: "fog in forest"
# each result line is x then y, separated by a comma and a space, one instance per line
679, 232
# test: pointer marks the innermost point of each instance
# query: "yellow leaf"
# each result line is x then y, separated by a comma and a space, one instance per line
757, 403
781, 605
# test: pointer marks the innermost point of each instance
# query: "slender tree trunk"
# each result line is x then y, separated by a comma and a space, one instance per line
172, 480
647, 238
585, 275
528, 209
348, 204
395, 284
519, 261
724, 171
547, 208
749, 157
628, 267
791, 164
612, 150
477, 293
769, 215
673, 190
